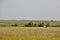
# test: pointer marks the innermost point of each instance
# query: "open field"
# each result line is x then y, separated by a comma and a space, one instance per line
29, 33
21, 23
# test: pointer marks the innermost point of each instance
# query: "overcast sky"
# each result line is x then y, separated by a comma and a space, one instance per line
30, 9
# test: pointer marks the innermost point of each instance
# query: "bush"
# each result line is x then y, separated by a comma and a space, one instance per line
30, 24
14, 25
41, 25
47, 25
34, 25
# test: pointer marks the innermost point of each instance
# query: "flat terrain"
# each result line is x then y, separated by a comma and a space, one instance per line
21, 23
29, 33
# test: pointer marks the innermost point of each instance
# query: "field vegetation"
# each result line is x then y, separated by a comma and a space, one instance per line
29, 30
29, 33
28, 23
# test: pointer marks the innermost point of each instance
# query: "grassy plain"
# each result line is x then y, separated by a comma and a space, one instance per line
29, 33
21, 23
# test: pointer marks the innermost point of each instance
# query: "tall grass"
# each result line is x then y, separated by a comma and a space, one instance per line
29, 33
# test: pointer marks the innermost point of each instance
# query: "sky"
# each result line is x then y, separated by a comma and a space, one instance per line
29, 9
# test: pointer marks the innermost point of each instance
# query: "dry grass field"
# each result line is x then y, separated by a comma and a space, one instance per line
29, 33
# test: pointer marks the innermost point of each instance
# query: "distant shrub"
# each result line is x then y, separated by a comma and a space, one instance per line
41, 25
14, 25
47, 25
34, 25
30, 24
